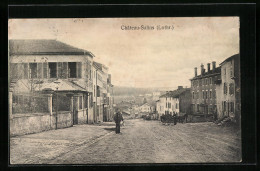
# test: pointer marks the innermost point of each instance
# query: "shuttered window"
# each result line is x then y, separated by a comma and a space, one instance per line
45, 70
79, 69
14, 70
64, 70
20, 70
33, 70
39, 70
25, 71
59, 69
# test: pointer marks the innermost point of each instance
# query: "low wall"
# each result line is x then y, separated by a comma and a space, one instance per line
64, 120
82, 116
34, 123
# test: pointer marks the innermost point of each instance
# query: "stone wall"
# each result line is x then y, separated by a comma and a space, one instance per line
82, 116
34, 123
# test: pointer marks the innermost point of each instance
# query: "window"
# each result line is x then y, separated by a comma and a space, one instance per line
224, 71
203, 95
232, 107
206, 82
206, 95
98, 91
210, 81
176, 105
225, 88
53, 70
166, 104
224, 106
210, 94
193, 95
231, 88
72, 69
33, 70
231, 72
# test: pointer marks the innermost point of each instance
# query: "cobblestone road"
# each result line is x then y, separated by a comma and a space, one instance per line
151, 142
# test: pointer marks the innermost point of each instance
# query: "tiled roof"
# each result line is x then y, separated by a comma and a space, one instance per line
64, 85
175, 93
43, 47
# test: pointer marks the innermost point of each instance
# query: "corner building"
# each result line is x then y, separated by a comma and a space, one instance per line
203, 89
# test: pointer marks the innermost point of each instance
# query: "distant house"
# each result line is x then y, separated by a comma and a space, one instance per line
174, 102
228, 89
156, 95
146, 108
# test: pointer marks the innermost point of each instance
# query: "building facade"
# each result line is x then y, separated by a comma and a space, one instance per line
64, 71
174, 102
228, 89
203, 90
103, 93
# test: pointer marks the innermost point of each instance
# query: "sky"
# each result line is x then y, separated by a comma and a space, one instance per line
142, 58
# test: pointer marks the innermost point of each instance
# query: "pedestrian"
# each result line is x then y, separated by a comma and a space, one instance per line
118, 118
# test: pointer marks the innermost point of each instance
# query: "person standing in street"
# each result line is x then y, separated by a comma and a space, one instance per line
118, 118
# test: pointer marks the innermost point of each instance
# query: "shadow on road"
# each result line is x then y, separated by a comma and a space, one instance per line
110, 129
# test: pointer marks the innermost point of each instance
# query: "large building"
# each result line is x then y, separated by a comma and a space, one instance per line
66, 73
103, 93
203, 89
39, 65
228, 89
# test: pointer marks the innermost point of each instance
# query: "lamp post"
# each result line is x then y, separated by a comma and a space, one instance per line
57, 82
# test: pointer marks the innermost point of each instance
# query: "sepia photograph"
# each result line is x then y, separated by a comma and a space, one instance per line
124, 90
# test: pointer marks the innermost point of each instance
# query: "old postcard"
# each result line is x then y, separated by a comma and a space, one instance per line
124, 90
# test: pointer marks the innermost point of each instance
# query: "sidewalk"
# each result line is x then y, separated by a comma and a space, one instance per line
43, 147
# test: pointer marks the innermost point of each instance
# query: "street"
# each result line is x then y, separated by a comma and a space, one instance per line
140, 141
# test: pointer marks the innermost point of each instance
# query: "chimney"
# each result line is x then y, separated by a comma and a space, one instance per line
180, 87
208, 67
213, 65
195, 69
202, 69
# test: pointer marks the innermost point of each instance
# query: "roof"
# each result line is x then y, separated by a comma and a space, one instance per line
43, 47
97, 65
208, 74
236, 56
175, 93
64, 85
100, 66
